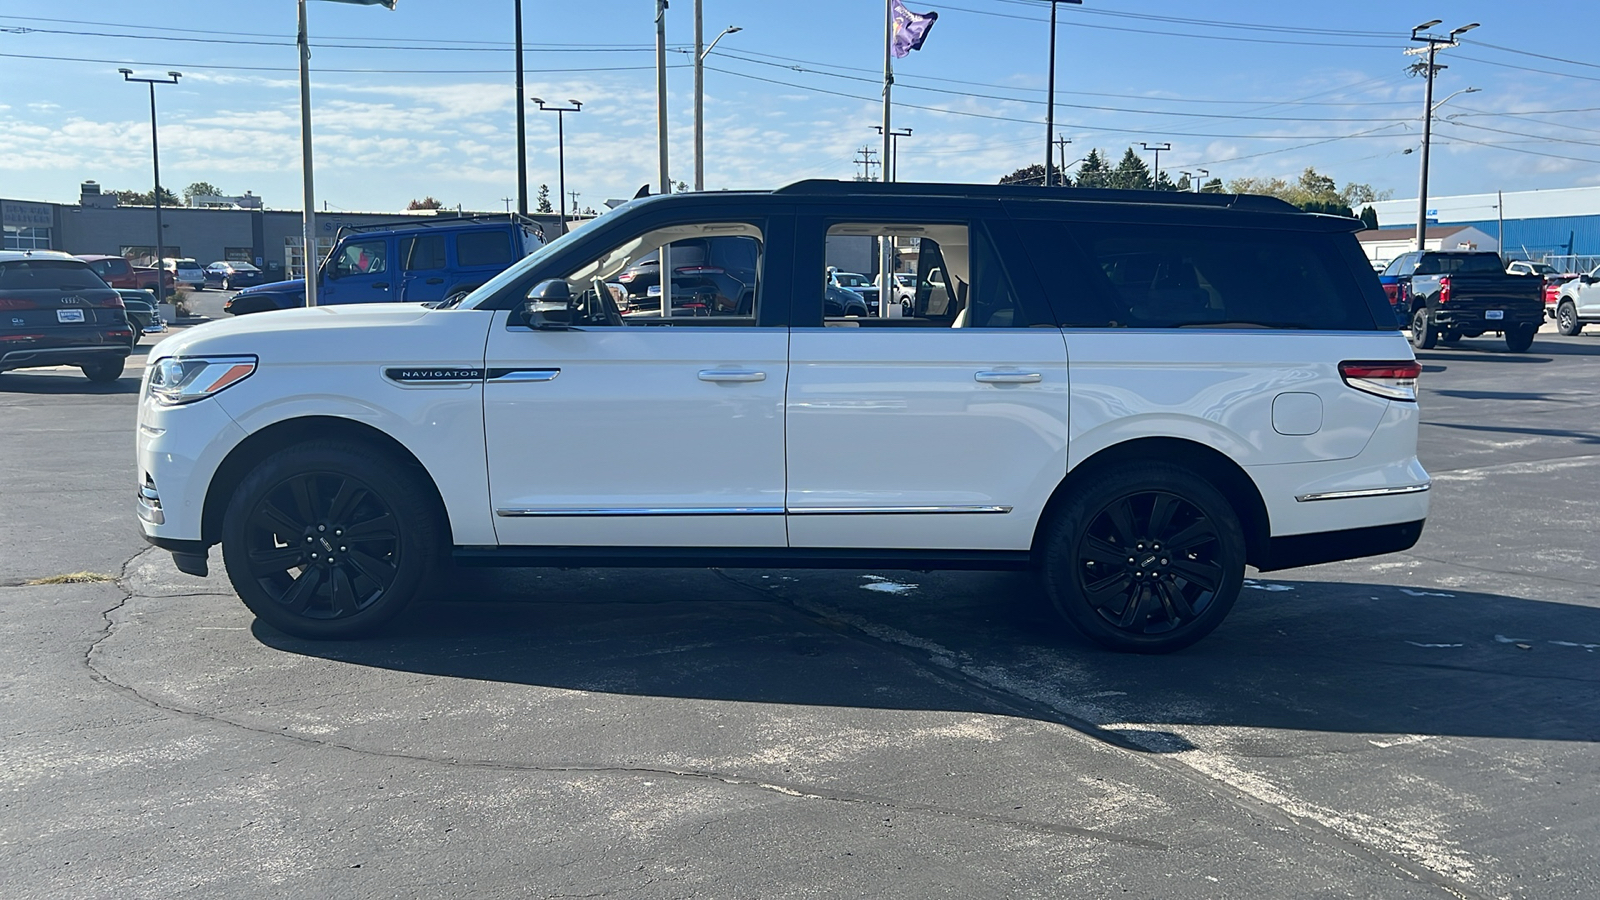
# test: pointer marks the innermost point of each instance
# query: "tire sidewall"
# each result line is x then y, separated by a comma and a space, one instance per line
1567, 318
1060, 562
1422, 336
416, 517
1519, 339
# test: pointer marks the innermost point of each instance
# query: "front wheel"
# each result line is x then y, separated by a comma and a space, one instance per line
1567, 319
1146, 560
1423, 335
1520, 337
104, 372
329, 540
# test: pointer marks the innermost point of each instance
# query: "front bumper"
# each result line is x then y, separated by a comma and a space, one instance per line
178, 450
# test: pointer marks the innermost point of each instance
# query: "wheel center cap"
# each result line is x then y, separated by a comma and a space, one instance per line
1147, 562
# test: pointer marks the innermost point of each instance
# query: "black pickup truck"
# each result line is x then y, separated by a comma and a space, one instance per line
1455, 294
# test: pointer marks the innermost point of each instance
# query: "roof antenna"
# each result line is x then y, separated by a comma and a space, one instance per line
643, 192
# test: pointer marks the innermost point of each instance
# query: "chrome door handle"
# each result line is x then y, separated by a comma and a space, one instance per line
990, 376
732, 375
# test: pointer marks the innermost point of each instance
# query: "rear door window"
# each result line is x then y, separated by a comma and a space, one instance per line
422, 253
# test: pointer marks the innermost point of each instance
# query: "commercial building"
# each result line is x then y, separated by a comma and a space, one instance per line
240, 230
1384, 244
1561, 225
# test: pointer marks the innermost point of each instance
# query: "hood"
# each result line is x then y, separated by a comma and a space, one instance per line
321, 332
296, 286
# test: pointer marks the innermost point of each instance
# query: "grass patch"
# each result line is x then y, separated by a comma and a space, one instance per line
72, 578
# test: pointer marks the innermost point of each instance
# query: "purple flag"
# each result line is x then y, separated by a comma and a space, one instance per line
910, 29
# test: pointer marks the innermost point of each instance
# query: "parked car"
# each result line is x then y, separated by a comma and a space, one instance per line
118, 272
1453, 294
1578, 303
186, 271
439, 263
905, 288
712, 271
1212, 425
142, 312
1553, 280
55, 311
839, 303
859, 284
229, 275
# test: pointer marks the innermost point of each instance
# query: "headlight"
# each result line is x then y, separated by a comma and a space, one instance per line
185, 379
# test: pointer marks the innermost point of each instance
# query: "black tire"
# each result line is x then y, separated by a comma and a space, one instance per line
226, 285
1567, 322
103, 372
1157, 603
1423, 335
302, 505
1450, 336
1520, 337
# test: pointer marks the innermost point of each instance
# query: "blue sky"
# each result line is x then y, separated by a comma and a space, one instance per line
1244, 88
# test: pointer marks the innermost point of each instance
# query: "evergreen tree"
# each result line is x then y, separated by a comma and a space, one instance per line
1131, 173
1094, 173
1184, 184
1369, 218
1164, 182
1214, 186
544, 200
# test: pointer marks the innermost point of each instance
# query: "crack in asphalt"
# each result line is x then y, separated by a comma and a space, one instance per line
788, 790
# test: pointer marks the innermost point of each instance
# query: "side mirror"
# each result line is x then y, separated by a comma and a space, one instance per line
549, 306
1586, 279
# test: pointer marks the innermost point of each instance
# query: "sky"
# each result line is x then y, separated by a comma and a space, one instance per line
420, 101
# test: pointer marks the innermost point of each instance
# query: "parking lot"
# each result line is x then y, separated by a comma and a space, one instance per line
1416, 725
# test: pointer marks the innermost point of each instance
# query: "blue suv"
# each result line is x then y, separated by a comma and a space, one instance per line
428, 263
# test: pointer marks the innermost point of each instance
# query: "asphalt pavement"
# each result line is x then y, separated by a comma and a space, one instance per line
1416, 725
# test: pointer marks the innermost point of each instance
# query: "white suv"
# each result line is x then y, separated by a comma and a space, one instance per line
1098, 385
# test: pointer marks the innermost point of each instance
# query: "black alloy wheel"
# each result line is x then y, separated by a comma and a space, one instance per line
329, 540
1567, 319
1423, 335
1148, 560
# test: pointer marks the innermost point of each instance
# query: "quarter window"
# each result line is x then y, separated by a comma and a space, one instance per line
484, 248
423, 252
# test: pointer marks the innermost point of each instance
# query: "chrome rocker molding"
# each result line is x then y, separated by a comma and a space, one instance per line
752, 511
1367, 492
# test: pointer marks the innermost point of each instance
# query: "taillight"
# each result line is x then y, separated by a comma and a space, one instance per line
1392, 291
1389, 380
16, 303
113, 303
1444, 289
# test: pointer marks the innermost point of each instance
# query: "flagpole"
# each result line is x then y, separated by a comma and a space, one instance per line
885, 252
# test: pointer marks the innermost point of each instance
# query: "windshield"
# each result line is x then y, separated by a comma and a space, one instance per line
849, 281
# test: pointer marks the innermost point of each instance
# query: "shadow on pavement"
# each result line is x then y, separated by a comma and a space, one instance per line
1330, 657
21, 381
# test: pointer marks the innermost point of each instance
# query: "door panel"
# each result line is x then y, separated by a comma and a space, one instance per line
636, 436
361, 272
924, 438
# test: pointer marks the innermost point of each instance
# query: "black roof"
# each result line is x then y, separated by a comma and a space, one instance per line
826, 188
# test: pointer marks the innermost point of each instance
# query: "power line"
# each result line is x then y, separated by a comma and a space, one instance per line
320, 45
1208, 37
412, 71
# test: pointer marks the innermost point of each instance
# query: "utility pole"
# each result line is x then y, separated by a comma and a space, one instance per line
507, 202
661, 96
1061, 144
522, 125
893, 172
155, 162
1431, 45
574, 195
1155, 174
865, 160
1050, 101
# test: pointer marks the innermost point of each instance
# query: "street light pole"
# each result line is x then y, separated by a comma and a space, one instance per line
700, 94
892, 164
561, 150
661, 93
1050, 101
1155, 175
155, 162
522, 125
1432, 45
1203, 174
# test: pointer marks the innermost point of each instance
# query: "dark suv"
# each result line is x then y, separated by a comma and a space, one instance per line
714, 274
55, 311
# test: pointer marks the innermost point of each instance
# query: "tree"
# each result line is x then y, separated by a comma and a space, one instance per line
1184, 184
1312, 191
544, 200
1214, 186
425, 203
1094, 173
137, 198
681, 187
1164, 182
1369, 218
1033, 174
1131, 173
200, 189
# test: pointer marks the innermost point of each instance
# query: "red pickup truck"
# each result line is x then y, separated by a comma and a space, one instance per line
119, 273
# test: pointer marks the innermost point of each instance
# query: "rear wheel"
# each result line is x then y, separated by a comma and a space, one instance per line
329, 540
1520, 337
1146, 560
1567, 319
227, 285
103, 372
1423, 335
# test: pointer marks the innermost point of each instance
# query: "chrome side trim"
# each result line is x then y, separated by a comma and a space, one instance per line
1366, 492
504, 376
514, 513
896, 510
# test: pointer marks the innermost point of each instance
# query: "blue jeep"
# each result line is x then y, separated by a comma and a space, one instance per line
404, 262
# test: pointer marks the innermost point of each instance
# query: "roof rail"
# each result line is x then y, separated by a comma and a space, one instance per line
432, 222
828, 188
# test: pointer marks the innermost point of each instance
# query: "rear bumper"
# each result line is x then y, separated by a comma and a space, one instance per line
65, 356
1476, 317
1333, 546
